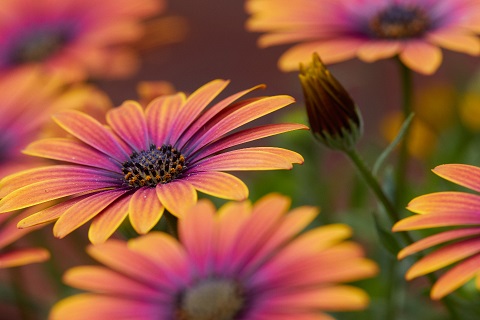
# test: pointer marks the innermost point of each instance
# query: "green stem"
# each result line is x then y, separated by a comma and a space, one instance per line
402, 165
367, 175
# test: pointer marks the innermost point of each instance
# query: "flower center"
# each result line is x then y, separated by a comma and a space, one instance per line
151, 167
215, 299
38, 45
398, 22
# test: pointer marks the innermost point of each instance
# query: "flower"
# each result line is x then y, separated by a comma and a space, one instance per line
370, 30
74, 38
147, 160
461, 245
242, 262
332, 114
9, 233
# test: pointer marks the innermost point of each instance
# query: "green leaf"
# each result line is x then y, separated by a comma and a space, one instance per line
401, 133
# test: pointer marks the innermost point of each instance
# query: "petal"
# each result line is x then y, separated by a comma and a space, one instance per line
266, 217
45, 191
450, 201
167, 252
376, 50
443, 257
462, 174
455, 277
421, 56
335, 298
331, 51
49, 214
197, 231
145, 210
219, 184
239, 116
441, 219
71, 151
177, 196
160, 115
102, 280
194, 105
90, 131
210, 113
230, 220
116, 255
249, 159
22, 257
84, 210
292, 224
66, 172
106, 222
99, 307
128, 122
456, 39
246, 136
436, 239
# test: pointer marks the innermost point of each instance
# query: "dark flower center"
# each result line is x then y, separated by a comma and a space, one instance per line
151, 167
39, 45
399, 22
213, 299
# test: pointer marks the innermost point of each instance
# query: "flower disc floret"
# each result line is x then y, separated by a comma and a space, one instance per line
400, 22
153, 166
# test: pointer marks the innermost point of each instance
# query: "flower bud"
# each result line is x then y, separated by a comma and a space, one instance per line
333, 116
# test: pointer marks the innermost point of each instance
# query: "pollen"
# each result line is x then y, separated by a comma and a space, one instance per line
400, 22
157, 165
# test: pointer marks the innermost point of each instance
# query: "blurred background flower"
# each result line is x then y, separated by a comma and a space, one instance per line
370, 30
74, 38
244, 262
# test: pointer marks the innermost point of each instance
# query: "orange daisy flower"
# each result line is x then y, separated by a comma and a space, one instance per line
74, 38
460, 246
242, 262
147, 160
370, 30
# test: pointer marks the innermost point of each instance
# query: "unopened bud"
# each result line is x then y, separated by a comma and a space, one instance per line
333, 116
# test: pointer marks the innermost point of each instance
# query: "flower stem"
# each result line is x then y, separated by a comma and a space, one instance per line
402, 165
366, 173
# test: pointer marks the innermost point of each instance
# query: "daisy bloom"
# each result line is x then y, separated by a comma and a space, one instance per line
460, 245
146, 160
370, 30
74, 38
9, 233
243, 262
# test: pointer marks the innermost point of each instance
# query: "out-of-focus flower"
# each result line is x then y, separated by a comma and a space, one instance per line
422, 140
147, 160
149, 90
333, 116
27, 99
461, 245
242, 262
434, 108
370, 30
73, 38
469, 110
9, 233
